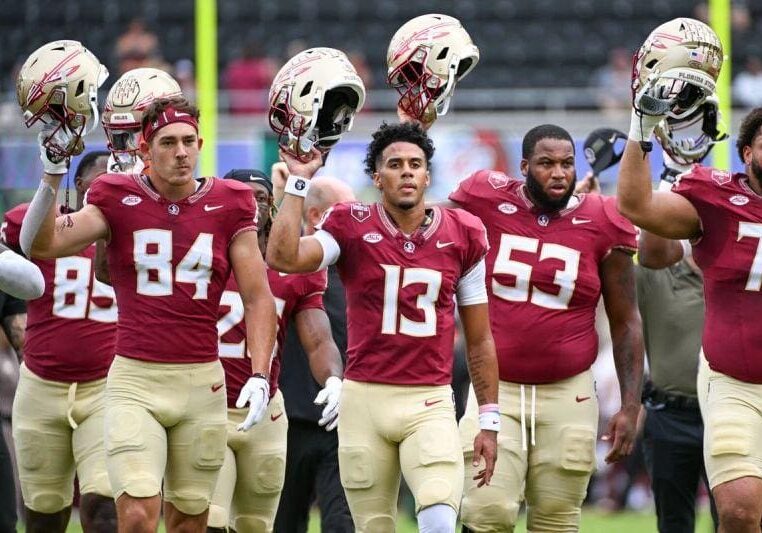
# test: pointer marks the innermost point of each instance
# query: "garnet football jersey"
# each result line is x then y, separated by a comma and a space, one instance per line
401, 290
543, 275
729, 254
293, 293
70, 329
169, 263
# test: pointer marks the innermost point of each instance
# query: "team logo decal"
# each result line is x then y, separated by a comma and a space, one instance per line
409, 247
372, 238
131, 200
498, 180
543, 220
360, 212
721, 176
739, 199
173, 209
507, 208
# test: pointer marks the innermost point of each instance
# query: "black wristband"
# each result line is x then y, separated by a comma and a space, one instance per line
261, 375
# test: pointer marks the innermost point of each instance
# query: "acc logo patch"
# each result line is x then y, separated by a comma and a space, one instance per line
507, 208
372, 238
739, 199
131, 200
498, 180
721, 176
360, 212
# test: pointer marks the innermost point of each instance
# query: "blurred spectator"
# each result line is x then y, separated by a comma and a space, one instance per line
136, 47
747, 86
740, 16
248, 79
613, 81
185, 75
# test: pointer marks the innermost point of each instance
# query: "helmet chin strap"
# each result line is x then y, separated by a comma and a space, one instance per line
442, 104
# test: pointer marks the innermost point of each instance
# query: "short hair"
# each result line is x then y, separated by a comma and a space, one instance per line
538, 133
391, 133
749, 130
160, 105
88, 161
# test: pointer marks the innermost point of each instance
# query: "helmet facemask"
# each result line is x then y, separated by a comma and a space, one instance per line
690, 140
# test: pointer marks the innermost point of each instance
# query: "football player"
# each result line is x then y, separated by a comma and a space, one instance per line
58, 410
403, 267
553, 254
721, 213
172, 242
248, 489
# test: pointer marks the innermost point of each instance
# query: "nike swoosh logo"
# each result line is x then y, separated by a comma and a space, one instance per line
276, 417
208, 207
576, 220
215, 388
444, 244
581, 398
429, 403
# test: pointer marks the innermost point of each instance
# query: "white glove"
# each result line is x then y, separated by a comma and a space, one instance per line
256, 392
330, 396
50, 163
642, 126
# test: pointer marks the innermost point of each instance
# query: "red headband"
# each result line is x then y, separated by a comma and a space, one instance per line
168, 116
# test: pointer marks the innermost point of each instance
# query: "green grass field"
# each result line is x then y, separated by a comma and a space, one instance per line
593, 521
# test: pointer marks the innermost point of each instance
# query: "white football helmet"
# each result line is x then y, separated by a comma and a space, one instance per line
58, 85
676, 69
313, 100
125, 104
426, 58
689, 140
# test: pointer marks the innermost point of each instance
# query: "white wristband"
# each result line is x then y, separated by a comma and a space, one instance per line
642, 126
297, 186
489, 421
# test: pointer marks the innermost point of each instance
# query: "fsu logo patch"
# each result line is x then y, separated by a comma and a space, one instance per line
360, 212
498, 180
721, 176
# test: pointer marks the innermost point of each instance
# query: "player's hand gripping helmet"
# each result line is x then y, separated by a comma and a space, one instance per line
313, 100
58, 85
426, 58
676, 69
126, 102
689, 140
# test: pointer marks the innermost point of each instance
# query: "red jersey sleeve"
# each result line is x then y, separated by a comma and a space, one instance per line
246, 214
337, 220
469, 194
696, 184
623, 235
476, 234
312, 288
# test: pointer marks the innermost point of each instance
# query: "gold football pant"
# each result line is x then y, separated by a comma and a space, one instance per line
546, 455
388, 429
248, 489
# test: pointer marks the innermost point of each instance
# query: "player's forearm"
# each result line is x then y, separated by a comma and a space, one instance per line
627, 343
283, 244
482, 367
634, 183
325, 361
38, 228
259, 316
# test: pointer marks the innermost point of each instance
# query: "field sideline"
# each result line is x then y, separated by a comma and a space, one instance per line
593, 521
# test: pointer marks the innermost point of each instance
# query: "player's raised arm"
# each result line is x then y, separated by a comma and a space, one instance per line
287, 250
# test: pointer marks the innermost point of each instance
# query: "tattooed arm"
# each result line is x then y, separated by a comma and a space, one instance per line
618, 287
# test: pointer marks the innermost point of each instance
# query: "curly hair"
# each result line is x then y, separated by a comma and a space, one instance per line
392, 133
749, 130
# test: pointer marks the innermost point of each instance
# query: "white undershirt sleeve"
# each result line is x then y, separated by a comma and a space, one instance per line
472, 288
20, 277
331, 249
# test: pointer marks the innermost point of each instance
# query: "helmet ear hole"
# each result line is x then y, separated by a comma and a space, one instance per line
464, 66
307, 89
